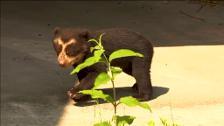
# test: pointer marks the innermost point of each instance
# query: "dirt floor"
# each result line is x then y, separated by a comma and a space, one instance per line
187, 69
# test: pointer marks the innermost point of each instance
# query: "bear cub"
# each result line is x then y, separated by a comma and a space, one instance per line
72, 48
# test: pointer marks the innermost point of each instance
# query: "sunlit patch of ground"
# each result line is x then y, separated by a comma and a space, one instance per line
194, 77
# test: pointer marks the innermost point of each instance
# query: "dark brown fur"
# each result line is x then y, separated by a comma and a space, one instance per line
114, 39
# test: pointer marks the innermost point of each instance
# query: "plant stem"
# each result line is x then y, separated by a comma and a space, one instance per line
114, 93
112, 81
114, 90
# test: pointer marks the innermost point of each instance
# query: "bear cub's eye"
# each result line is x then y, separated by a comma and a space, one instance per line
73, 50
57, 48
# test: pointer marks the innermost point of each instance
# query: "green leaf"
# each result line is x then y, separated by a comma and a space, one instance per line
100, 39
98, 53
123, 53
164, 122
104, 123
116, 70
88, 62
151, 123
94, 48
95, 94
102, 78
145, 106
93, 40
131, 101
123, 120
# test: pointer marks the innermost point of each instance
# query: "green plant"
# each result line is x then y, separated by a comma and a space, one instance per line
109, 76
165, 122
105, 77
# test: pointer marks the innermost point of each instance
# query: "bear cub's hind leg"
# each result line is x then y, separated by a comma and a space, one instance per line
141, 72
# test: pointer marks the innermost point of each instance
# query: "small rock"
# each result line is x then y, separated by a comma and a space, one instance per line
39, 35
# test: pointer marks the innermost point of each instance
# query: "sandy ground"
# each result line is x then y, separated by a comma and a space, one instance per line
187, 69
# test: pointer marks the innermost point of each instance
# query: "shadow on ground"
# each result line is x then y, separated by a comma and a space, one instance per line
32, 92
122, 92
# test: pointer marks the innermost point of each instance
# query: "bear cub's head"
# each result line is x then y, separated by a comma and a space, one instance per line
71, 45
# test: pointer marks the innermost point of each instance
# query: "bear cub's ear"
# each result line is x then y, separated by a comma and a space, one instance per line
56, 30
84, 35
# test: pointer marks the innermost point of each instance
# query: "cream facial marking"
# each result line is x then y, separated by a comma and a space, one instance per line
60, 42
63, 59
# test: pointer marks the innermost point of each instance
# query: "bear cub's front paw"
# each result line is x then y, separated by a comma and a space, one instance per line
73, 94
